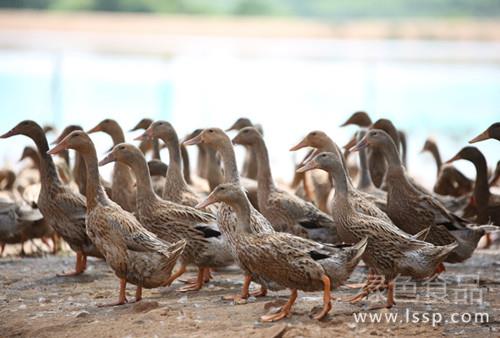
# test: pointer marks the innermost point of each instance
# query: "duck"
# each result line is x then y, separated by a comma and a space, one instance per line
376, 163
135, 255
493, 132
158, 172
450, 181
290, 261
172, 222
285, 211
389, 252
122, 185
62, 208
365, 183
227, 221
486, 203
249, 168
176, 188
147, 145
413, 211
20, 221
364, 202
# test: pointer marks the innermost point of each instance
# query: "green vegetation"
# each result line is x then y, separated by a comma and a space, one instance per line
328, 9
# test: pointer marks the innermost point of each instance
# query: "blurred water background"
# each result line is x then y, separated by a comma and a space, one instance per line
448, 89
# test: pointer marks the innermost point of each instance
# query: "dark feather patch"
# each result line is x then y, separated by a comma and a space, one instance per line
207, 231
317, 255
309, 224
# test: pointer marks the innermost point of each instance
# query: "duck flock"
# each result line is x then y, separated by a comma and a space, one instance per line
153, 219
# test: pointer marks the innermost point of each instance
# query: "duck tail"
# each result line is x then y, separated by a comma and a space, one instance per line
422, 235
445, 250
359, 249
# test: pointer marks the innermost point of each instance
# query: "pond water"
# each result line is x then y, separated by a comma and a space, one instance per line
450, 90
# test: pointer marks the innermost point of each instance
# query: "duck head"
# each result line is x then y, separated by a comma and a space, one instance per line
247, 136
359, 118
142, 124
123, 152
373, 138
77, 140
315, 139
493, 131
468, 153
26, 128
159, 129
211, 136
226, 192
240, 123
66, 131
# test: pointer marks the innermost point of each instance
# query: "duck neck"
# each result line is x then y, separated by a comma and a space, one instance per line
243, 211
94, 192
35, 158
80, 173
365, 178
145, 191
231, 174
391, 154
332, 147
341, 197
437, 157
117, 135
214, 172
156, 148
175, 177
264, 176
481, 187
47, 168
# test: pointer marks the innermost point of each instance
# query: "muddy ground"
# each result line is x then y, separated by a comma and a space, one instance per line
36, 303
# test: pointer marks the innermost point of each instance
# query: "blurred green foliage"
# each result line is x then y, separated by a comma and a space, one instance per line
303, 8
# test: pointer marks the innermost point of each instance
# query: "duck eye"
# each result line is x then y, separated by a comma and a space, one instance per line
210, 130
313, 134
245, 131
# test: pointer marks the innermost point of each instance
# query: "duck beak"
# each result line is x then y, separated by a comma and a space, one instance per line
9, 134
453, 159
300, 145
193, 141
312, 164
147, 135
234, 141
94, 130
108, 159
58, 148
481, 137
361, 145
351, 143
209, 200
312, 154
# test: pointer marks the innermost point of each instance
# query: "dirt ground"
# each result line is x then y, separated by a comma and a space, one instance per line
34, 302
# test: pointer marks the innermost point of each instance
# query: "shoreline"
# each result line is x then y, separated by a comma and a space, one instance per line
270, 27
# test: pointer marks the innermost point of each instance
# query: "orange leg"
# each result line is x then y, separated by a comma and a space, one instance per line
488, 241
373, 283
2, 248
195, 286
122, 299
327, 304
138, 293
55, 241
285, 310
81, 264
176, 275
390, 298
240, 299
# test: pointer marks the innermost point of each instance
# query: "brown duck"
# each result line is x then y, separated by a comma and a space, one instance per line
390, 252
136, 255
287, 260
62, 208
122, 185
216, 139
172, 222
450, 181
414, 211
285, 211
